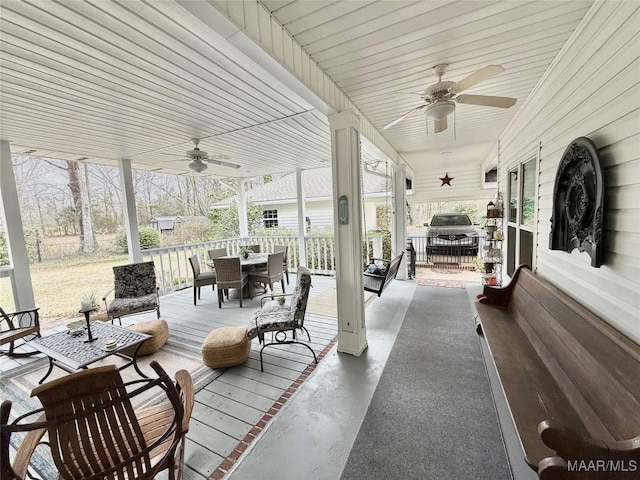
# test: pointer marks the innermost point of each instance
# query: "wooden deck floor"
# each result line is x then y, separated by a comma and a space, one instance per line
236, 405
233, 408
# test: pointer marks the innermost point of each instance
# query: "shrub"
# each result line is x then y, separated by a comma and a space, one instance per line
4, 251
149, 238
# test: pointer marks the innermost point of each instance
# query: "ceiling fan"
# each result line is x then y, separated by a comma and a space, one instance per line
441, 97
198, 158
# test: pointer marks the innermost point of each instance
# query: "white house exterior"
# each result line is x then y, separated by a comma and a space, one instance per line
280, 208
591, 90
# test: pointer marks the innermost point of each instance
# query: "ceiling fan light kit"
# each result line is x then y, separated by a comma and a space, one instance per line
197, 166
440, 110
198, 158
441, 97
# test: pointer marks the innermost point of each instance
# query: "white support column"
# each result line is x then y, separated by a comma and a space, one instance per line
130, 211
18, 258
302, 223
345, 153
242, 209
399, 218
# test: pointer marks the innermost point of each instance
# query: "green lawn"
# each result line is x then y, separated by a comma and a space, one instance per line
60, 285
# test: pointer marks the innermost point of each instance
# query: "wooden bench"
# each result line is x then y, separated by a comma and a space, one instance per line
572, 382
377, 283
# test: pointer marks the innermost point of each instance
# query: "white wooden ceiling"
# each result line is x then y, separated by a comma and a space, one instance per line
105, 80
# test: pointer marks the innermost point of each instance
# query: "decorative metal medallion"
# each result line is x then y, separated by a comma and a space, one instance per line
578, 202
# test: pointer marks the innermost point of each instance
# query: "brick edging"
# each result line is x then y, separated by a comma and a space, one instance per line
257, 429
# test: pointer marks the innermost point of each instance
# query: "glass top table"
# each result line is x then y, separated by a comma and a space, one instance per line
70, 351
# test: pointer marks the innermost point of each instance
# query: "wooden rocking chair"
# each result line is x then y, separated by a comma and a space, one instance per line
94, 430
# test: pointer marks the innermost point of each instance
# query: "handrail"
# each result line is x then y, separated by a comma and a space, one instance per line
172, 262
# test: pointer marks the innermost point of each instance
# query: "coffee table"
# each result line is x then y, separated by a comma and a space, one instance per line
71, 352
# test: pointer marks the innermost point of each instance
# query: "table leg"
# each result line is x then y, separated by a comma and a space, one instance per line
48, 371
133, 361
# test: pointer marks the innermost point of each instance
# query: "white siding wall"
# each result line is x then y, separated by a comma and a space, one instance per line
591, 89
427, 186
320, 214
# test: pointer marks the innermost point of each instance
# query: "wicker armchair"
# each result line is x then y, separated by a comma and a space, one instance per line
229, 274
272, 274
217, 253
281, 319
254, 248
18, 327
285, 262
95, 431
135, 290
200, 279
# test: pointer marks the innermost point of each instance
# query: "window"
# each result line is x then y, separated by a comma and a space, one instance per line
522, 214
270, 218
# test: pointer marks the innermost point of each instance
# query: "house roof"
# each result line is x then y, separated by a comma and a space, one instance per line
317, 184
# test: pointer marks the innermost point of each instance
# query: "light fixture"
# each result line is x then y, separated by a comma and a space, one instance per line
440, 110
196, 153
197, 165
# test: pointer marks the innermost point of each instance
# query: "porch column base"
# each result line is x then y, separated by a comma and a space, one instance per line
352, 343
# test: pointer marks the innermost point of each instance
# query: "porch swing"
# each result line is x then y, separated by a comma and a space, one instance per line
380, 272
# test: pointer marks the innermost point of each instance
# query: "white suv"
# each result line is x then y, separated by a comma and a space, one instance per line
451, 232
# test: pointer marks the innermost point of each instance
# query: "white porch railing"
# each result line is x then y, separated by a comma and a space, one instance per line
174, 272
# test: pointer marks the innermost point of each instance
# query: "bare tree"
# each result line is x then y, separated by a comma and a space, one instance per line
79, 191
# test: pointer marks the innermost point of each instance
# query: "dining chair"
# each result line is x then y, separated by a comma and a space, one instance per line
285, 263
135, 291
200, 279
229, 274
100, 427
217, 253
254, 248
272, 274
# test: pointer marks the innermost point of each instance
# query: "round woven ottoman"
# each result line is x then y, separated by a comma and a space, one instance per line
226, 347
159, 331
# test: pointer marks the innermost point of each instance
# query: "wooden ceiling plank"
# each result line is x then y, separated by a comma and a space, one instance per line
466, 47
412, 44
196, 48
80, 104
121, 45
401, 27
81, 53
307, 24
110, 84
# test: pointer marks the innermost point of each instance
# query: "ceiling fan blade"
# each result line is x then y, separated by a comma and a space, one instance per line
440, 125
480, 76
397, 120
487, 101
221, 156
223, 164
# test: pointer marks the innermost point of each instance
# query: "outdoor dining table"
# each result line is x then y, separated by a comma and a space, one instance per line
249, 263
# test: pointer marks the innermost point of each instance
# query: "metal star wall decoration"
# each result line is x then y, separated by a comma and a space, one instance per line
446, 180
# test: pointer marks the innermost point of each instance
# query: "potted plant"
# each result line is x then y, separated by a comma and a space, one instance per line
245, 253
281, 300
